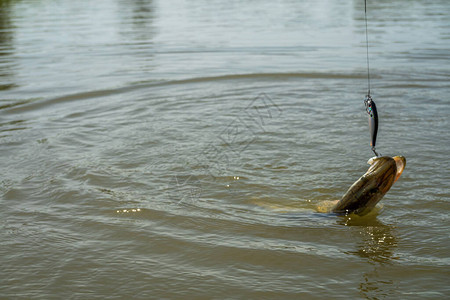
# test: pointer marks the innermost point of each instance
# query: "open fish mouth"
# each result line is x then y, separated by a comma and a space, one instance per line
400, 161
370, 188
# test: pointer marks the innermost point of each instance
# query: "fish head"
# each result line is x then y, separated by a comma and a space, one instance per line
370, 188
384, 171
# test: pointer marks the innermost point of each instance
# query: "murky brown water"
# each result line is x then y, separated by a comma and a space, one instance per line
143, 143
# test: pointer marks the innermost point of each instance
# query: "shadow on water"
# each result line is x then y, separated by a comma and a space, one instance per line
376, 243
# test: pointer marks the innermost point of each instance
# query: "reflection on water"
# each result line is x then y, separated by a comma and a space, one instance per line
138, 30
140, 16
6, 47
376, 243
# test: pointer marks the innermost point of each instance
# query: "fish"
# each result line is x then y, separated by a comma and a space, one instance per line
371, 187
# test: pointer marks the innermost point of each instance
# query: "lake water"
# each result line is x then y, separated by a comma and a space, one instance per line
178, 149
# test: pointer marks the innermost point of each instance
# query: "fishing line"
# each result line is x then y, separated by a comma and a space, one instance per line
368, 101
367, 48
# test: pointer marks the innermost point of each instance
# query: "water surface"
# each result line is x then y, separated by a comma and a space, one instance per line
143, 143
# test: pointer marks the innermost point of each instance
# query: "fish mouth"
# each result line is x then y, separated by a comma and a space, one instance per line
383, 164
400, 161
368, 190
385, 171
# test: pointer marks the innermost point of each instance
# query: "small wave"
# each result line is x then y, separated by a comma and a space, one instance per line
36, 104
